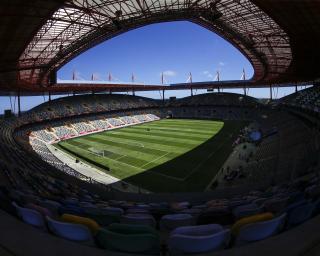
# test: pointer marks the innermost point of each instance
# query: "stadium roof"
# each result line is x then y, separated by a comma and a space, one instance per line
280, 38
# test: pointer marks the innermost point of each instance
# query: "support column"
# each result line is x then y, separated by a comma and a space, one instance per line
163, 95
270, 92
218, 89
110, 91
296, 88
19, 106
73, 93
191, 91
245, 90
49, 96
133, 92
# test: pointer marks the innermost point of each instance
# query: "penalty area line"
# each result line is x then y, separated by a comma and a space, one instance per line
155, 159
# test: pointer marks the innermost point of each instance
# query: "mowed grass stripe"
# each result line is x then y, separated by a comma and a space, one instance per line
164, 155
196, 129
191, 124
163, 136
137, 162
198, 180
149, 145
175, 130
125, 145
141, 138
181, 135
137, 152
186, 127
84, 146
183, 125
186, 121
117, 169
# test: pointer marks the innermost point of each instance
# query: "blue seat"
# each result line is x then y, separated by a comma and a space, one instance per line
70, 201
53, 206
71, 209
138, 210
221, 216
31, 217
74, 232
246, 210
300, 214
198, 239
173, 221
276, 205
138, 219
192, 211
112, 211
260, 230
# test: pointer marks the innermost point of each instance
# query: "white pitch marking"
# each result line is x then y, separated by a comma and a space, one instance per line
155, 159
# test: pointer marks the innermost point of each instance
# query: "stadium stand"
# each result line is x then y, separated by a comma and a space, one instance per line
43, 198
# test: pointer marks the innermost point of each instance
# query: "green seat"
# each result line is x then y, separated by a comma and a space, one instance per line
129, 238
104, 220
132, 229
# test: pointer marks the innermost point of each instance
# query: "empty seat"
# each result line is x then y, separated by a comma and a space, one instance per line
71, 231
130, 239
89, 223
198, 239
53, 206
112, 210
192, 211
178, 206
300, 214
246, 210
44, 211
70, 201
139, 219
220, 215
172, 221
276, 205
31, 217
137, 210
260, 230
104, 219
71, 209
249, 220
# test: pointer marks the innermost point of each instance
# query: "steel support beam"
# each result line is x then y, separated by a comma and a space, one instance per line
19, 105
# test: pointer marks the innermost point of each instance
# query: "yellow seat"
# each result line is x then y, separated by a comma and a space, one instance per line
89, 223
248, 220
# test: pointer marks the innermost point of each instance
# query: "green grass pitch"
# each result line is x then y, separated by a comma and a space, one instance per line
169, 155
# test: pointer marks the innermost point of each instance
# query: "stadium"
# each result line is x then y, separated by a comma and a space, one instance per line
101, 169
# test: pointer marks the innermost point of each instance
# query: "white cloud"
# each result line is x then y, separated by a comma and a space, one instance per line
169, 73
221, 63
207, 74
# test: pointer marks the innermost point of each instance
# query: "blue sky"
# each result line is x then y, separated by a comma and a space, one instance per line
174, 48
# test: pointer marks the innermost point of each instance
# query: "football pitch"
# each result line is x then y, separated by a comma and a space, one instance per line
169, 155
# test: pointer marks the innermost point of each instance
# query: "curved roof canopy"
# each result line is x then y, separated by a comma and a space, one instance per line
38, 37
